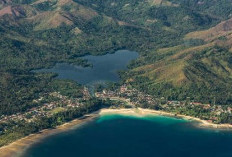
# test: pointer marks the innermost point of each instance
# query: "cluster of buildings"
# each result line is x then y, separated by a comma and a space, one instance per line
214, 109
132, 95
208, 111
126, 94
60, 103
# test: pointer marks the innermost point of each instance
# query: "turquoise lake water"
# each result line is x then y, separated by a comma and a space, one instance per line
126, 136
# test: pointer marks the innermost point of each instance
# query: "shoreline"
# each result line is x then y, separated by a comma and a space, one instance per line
140, 112
18, 147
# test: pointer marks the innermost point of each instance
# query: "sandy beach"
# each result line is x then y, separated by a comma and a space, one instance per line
16, 148
143, 112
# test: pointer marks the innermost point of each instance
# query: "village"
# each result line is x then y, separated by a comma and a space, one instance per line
60, 103
125, 95
209, 112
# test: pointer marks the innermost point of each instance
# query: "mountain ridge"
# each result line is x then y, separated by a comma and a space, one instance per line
173, 63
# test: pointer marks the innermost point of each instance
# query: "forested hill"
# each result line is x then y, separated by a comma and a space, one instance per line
184, 45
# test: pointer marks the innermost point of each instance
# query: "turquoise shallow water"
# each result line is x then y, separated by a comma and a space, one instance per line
127, 136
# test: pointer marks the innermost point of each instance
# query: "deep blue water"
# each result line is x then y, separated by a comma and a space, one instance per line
104, 68
124, 136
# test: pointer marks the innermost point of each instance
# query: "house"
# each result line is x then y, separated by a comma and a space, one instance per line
123, 89
206, 106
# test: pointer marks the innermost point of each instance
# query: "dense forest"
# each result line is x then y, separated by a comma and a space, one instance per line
37, 34
22, 128
184, 46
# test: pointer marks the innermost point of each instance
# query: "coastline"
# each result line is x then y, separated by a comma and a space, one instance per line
18, 147
143, 112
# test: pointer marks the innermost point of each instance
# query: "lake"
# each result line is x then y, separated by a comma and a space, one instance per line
129, 136
104, 68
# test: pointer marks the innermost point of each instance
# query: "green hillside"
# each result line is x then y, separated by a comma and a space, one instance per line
200, 68
173, 63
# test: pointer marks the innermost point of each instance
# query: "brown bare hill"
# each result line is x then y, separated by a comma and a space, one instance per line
172, 68
63, 12
47, 20
195, 69
58, 13
18, 11
222, 29
161, 2
182, 71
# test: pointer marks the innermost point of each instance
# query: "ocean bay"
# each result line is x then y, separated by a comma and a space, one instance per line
115, 135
